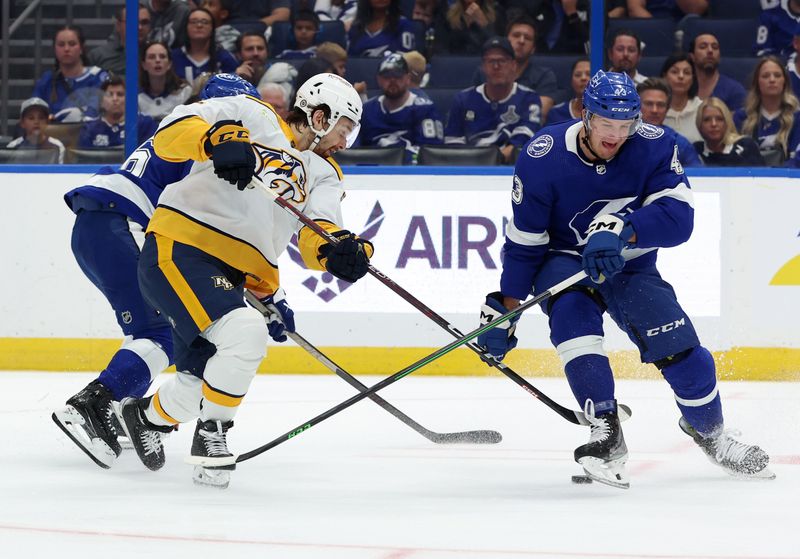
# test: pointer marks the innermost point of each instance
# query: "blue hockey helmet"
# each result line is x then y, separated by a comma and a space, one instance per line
613, 95
227, 85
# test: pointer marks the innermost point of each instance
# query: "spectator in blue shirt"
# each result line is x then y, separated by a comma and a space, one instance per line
108, 130
705, 54
305, 25
245, 13
200, 52
656, 96
379, 28
770, 115
72, 89
500, 112
776, 28
33, 119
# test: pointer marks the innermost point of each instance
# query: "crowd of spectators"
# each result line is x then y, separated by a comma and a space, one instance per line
276, 44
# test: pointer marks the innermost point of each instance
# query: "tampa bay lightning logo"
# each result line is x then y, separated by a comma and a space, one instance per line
581, 221
650, 132
540, 146
323, 284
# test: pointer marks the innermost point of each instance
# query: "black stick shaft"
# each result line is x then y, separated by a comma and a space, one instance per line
576, 417
474, 437
410, 369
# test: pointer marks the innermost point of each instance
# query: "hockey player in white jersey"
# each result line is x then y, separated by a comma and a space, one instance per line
208, 241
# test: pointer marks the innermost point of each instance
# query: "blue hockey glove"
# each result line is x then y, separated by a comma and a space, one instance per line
501, 339
602, 256
281, 317
228, 145
348, 259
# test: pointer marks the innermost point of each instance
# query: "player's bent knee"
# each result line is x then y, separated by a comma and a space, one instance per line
241, 332
582, 345
150, 352
693, 378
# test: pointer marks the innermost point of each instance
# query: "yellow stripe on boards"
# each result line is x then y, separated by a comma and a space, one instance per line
179, 283
79, 354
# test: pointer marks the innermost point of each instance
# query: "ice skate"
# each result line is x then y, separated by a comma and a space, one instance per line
603, 458
739, 460
88, 420
144, 436
210, 441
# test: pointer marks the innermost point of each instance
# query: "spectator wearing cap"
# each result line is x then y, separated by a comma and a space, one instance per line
705, 55
777, 27
499, 112
33, 118
108, 130
656, 96
399, 117
168, 21
72, 89
624, 54
379, 28
305, 25
110, 56
521, 34
336, 56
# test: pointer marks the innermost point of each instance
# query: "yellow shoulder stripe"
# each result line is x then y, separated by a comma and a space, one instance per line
336, 167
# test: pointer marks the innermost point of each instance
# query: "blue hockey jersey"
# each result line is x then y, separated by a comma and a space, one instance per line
475, 120
72, 99
557, 193
134, 188
765, 133
730, 91
417, 122
776, 27
365, 43
99, 133
189, 68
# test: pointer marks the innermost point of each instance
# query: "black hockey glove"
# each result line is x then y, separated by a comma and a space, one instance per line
348, 259
228, 145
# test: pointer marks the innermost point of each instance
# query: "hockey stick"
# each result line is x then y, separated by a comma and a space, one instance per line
218, 462
576, 417
468, 437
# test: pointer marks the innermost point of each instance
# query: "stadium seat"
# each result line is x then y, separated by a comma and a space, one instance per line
561, 65
657, 34
371, 156
99, 156
651, 66
363, 69
281, 38
458, 156
740, 69
734, 9
735, 36
453, 71
332, 31
442, 98
67, 132
28, 156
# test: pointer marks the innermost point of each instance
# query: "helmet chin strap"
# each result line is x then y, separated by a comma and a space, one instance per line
587, 144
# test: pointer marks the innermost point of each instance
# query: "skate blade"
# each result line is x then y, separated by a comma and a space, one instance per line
71, 423
218, 479
212, 463
609, 473
764, 475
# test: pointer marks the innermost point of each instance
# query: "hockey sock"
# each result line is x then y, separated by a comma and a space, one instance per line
590, 378
694, 382
126, 375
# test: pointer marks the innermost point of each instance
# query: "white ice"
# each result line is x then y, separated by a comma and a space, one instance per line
361, 485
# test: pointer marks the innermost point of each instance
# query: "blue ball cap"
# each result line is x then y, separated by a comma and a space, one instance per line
612, 95
227, 85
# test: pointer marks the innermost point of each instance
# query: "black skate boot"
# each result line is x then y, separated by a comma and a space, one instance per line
737, 459
210, 442
88, 420
144, 436
603, 458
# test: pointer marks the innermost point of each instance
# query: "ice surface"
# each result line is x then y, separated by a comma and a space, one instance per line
362, 485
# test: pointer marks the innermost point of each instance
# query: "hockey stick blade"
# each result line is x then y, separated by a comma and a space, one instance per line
464, 437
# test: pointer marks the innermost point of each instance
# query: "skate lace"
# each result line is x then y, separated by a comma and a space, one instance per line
600, 429
151, 442
729, 448
215, 442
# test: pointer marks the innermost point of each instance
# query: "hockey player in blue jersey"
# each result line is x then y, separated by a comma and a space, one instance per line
603, 194
112, 211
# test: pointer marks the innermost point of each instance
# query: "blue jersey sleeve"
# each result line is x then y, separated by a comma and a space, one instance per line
666, 217
527, 236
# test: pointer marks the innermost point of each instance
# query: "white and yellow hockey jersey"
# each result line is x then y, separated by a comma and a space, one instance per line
245, 229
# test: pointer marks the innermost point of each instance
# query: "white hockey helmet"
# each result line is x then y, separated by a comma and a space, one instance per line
338, 94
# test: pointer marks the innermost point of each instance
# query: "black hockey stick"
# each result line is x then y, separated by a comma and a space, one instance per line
576, 417
466, 437
217, 462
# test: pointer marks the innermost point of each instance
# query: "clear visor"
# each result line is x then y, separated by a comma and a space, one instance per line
353, 135
610, 128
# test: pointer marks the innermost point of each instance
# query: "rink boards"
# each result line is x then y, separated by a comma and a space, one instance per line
439, 237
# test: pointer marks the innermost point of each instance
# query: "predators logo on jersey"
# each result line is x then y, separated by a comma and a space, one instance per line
282, 171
